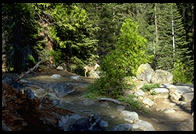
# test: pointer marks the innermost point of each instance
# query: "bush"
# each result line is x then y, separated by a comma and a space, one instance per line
148, 87
124, 60
179, 72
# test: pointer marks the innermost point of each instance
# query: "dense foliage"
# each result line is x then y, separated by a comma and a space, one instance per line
78, 34
124, 60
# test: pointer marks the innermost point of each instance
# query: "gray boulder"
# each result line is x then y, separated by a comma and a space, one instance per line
62, 90
144, 72
122, 127
130, 116
162, 77
188, 97
56, 76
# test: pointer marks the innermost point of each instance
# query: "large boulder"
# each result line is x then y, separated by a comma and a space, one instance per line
162, 77
144, 72
130, 116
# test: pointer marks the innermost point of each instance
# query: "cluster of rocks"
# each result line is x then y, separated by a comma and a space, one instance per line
180, 94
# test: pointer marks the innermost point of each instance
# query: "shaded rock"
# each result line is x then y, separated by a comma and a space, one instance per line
5, 127
120, 108
168, 86
56, 102
30, 93
188, 97
130, 116
160, 90
122, 127
148, 101
59, 68
183, 89
143, 125
162, 77
65, 122
103, 124
144, 72
139, 93
56, 76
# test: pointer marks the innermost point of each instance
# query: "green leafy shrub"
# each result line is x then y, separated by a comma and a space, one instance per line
179, 72
124, 60
148, 87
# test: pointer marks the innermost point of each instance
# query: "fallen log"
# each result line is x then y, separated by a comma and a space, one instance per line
30, 70
110, 99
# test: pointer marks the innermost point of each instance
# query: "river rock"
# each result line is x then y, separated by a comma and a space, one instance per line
183, 89
59, 68
143, 125
144, 72
162, 77
56, 76
75, 77
148, 101
130, 116
139, 93
188, 97
30, 93
168, 86
160, 90
122, 127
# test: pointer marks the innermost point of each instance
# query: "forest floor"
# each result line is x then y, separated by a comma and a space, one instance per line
180, 120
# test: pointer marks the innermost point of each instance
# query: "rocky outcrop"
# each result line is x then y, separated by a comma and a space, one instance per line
162, 77
144, 72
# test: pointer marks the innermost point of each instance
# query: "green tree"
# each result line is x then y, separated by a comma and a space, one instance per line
129, 53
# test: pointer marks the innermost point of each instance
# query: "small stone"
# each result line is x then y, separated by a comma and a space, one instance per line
59, 68
123, 127
148, 101
56, 76
75, 77
139, 93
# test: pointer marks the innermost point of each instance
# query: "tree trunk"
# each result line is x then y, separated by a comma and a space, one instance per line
156, 29
173, 39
